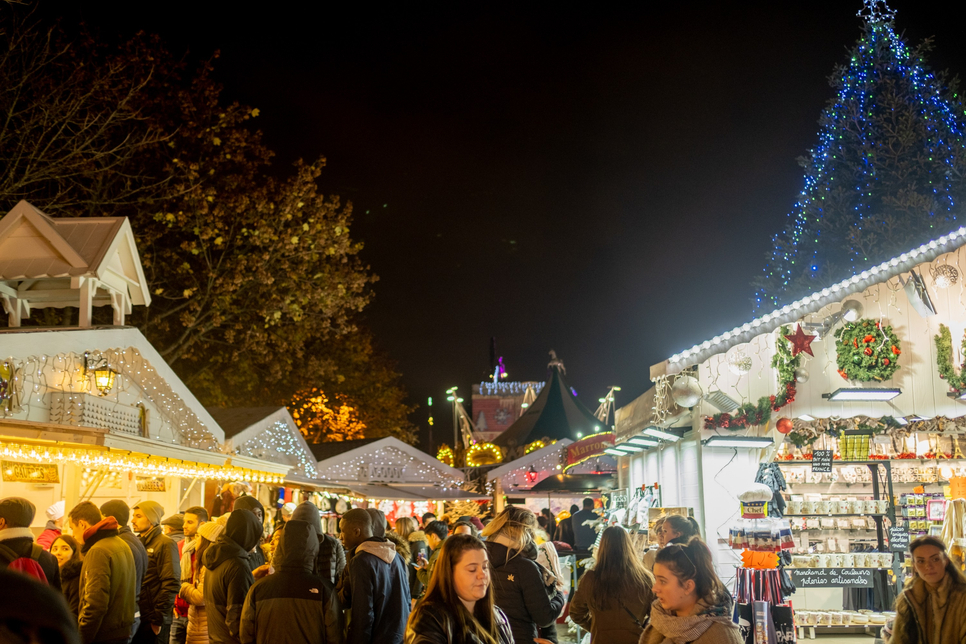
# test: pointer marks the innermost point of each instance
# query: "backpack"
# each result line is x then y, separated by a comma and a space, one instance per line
29, 566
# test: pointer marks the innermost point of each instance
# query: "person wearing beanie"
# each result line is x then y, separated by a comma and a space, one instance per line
256, 560
293, 596
55, 525
107, 601
173, 528
330, 562
228, 577
192, 591
162, 579
122, 514
16, 515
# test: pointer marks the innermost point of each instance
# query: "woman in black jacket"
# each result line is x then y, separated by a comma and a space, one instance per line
68, 555
458, 607
405, 527
519, 584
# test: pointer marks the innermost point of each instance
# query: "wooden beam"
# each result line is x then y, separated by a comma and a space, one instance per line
87, 287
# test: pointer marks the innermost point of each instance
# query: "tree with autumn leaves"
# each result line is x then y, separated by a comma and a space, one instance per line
256, 280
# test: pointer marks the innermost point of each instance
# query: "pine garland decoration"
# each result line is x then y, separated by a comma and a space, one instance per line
867, 351
944, 360
749, 415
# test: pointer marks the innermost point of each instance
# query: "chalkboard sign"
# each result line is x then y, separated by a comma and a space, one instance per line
832, 577
822, 460
898, 539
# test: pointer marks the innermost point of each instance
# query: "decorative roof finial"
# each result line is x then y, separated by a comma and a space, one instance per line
556, 362
876, 12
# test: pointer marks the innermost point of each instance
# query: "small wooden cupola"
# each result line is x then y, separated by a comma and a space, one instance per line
76, 261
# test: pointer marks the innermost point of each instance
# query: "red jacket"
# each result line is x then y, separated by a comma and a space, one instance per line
48, 536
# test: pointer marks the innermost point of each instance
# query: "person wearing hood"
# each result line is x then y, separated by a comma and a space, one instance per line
529, 598
330, 561
229, 576
294, 596
256, 559
692, 604
377, 586
107, 598
55, 525
162, 578
17, 540
122, 514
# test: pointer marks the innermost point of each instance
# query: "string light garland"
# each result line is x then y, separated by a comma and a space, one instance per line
129, 462
416, 470
35, 378
490, 388
445, 455
279, 441
534, 446
483, 454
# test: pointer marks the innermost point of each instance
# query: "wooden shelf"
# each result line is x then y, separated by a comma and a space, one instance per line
833, 516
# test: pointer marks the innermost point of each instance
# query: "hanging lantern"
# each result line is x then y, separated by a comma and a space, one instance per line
531, 475
102, 372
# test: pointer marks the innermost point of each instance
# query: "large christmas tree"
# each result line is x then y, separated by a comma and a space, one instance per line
887, 173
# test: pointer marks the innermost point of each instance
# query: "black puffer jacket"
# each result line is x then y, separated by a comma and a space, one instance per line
377, 593
162, 578
435, 623
229, 577
293, 605
518, 589
330, 561
70, 584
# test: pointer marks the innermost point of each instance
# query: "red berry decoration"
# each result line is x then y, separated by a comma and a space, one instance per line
867, 351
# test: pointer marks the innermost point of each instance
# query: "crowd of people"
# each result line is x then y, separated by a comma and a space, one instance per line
130, 574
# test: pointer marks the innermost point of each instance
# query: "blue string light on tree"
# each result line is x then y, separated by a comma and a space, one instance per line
890, 157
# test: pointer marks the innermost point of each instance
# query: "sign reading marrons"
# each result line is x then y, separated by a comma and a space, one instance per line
588, 448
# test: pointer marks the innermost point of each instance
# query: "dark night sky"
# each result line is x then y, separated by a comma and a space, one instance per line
603, 181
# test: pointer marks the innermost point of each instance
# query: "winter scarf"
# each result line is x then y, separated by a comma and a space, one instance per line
688, 628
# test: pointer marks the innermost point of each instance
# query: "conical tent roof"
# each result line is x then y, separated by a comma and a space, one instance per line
555, 414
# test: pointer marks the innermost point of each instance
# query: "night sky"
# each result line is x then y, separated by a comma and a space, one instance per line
602, 181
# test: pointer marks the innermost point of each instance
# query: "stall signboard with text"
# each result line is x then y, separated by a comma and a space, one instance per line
822, 460
14, 472
588, 448
832, 577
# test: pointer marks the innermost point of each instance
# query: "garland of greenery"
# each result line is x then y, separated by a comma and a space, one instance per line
749, 415
944, 360
866, 351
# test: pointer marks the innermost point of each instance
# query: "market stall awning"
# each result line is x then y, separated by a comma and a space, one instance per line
411, 493
446, 494
384, 492
576, 483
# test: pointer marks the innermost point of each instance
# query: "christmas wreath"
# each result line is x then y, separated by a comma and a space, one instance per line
749, 415
867, 351
944, 360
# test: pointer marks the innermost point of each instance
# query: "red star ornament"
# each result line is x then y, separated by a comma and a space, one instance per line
801, 342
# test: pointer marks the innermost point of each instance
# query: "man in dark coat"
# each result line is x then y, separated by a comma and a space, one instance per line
16, 515
330, 561
107, 599
293, 605
256, 558
584, 535
376, 587
122, 514
436, 533
229, 576
162, 578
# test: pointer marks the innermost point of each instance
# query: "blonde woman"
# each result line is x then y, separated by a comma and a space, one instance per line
520, 588
651, 553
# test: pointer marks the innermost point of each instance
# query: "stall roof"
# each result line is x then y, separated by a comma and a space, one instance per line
526, 459
268, 433
555, 414
576, 483
340, 462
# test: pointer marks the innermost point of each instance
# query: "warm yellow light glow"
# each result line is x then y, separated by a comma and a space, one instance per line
534, 446
483, 454
104, 379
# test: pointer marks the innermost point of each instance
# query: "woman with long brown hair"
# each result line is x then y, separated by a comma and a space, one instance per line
692, 604
68, 554
613, 600
521, 587
932, 607
458, 606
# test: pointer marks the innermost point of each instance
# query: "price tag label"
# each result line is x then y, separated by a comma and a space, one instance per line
898, 539
822, 460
